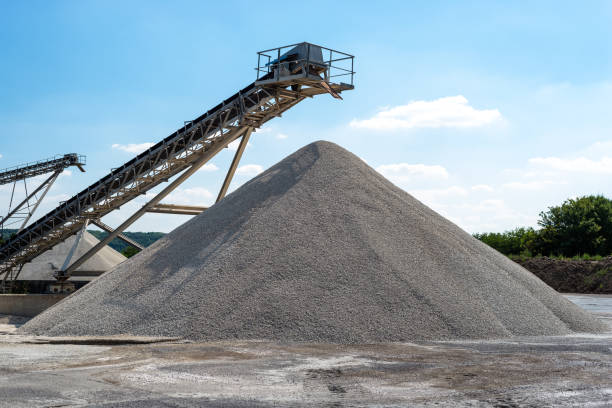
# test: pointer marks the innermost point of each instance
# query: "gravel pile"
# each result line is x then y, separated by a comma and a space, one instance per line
320, 247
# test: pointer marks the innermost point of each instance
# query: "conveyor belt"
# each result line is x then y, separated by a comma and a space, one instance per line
33, 169
199, 139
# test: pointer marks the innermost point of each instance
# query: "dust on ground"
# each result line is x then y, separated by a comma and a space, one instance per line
522, 372
556, 371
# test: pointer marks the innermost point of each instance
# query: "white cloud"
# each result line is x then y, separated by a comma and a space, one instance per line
450, 111
266, 130
577, 165
249, 170
600, 147
432, 196
490, 205
190, 196
490, 215
270, 130
66, 173
209, 167
263, 130
234, 145
132, 147
483, 187
531, 185
0, 156
532, 174
400, 173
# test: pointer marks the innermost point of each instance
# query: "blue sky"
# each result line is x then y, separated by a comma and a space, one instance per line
488, 111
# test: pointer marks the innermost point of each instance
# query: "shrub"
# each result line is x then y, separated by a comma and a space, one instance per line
519, 241
129, 251
578, 226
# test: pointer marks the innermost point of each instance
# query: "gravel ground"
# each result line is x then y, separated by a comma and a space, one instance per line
567, 371
318, 248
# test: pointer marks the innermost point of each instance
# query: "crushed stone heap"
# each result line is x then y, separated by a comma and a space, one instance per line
320, 247
45, 265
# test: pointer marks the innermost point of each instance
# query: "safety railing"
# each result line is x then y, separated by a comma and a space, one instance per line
7, 174
290, 60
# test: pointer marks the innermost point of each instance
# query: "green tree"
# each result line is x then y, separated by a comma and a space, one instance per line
578, 226
519, 241
143, 238
129, 251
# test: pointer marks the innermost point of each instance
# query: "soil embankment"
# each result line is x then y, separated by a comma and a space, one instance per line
572, 276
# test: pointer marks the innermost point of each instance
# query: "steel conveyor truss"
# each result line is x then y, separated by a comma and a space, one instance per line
53, 164
19, 214
287, 76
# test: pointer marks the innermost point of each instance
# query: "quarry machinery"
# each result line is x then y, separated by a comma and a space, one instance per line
285, 76
18, 215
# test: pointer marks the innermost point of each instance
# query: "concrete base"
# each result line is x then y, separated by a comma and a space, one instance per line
27, 305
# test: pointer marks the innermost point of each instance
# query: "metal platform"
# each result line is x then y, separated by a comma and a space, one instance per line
300, 72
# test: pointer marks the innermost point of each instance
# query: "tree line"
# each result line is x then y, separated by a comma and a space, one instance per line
143, 238
580, 227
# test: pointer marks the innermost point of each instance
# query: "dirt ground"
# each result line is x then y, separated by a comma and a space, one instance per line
572, 276
519, 372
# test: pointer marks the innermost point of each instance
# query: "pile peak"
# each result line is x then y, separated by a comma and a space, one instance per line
320, 247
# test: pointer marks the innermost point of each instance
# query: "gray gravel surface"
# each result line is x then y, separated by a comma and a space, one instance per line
320, 247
